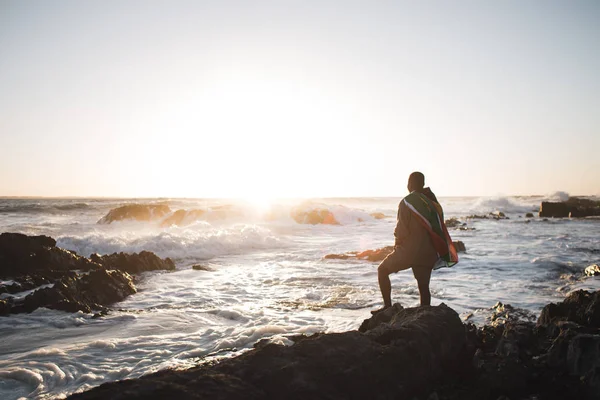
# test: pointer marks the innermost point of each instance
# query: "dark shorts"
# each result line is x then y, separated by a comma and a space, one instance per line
399, 260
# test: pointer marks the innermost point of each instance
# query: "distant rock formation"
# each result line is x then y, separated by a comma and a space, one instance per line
314, 217
183, 217
378, 215
575, 207
138, 212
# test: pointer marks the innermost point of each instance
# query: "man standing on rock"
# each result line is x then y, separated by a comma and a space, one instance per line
422, 241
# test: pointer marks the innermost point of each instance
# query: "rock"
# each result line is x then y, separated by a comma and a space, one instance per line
138, 212
26, 255
592, 270
454, 223
375, 255
315, 216
84, 293
581, 307
529, 215
574, 208
134, 263
183, 217
394, 360
199, 267
378, 215
4, 308
345, 256
553, 210
460, 246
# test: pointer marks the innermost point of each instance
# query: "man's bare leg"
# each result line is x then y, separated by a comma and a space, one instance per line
423, 276
385, 285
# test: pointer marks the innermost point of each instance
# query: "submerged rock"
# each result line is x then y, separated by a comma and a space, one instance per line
138, 212
134, 263
392, 360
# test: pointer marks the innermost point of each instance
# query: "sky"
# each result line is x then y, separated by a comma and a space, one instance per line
262, 99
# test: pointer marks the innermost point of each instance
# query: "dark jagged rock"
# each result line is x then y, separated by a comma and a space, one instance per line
138, 212
574, 207
34, 261
529, 215
592, 270
314, 217
134, 263
581, 307
183, 217
25, 255
394, 360
85, 293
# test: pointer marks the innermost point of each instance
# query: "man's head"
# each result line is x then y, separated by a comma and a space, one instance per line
416, 181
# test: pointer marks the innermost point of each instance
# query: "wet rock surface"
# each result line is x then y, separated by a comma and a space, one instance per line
134, 263
418, 353
62, 280
391, 360
138, 212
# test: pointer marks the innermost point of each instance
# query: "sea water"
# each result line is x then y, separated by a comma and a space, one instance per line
266, 278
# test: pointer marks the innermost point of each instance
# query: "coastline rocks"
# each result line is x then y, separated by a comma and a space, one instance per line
592, 270
34, 263
134, 263
83, 293
574, 207
138, 212
581, 307
23, 255
183, 218
314, 217
529, 215
396, 359
369, 255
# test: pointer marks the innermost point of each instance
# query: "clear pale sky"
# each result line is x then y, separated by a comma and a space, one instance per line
298, 98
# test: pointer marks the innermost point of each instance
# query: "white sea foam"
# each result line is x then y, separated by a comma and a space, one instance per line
178, 243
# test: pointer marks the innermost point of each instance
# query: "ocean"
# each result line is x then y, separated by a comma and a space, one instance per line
266, 278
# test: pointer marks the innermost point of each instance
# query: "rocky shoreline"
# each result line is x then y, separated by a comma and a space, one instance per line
37, 274
421, 353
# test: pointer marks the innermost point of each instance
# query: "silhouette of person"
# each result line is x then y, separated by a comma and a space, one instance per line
421, 241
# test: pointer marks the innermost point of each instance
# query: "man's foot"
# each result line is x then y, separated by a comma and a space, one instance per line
375, 312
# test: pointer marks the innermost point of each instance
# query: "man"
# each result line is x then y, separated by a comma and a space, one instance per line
422, 241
